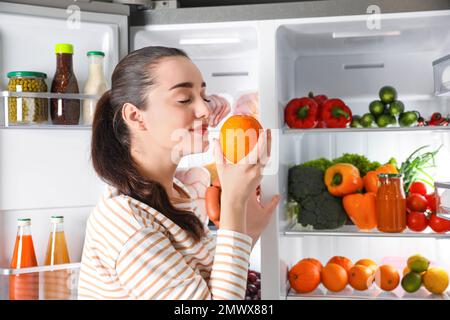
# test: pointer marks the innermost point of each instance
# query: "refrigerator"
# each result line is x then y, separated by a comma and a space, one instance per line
346, 50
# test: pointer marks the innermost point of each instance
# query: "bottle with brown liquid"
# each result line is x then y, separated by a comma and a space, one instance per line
391, 203
64, 111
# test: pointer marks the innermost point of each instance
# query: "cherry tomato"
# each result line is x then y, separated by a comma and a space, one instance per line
417, 221
438, 224
431, 198
417, 202
418, 187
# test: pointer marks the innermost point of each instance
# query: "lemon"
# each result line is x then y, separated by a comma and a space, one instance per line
418, 263
435, 280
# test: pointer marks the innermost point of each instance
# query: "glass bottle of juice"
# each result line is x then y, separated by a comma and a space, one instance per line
24, 286
391, 203
56, 282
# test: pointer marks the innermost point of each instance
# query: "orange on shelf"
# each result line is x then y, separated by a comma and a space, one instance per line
368, 263
344, 262
334, 277
360, 277
316, 262
387, 277
238, 136
304, 277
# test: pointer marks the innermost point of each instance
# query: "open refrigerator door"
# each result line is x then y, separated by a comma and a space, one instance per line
45, 169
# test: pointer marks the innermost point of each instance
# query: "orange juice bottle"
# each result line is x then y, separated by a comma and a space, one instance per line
56, 282
24, 286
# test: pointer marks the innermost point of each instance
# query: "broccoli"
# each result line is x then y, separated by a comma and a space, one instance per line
304, 182
317, 207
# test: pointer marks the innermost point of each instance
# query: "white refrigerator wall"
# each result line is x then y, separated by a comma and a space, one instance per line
48, 172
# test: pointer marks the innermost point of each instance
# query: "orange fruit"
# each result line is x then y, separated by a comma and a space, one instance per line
360, 277
304, 277
334, 277
387, 277
344, 262
316, 262
368, 263
238, 136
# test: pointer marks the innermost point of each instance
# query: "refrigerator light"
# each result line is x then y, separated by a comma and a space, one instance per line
340, 35
194, 41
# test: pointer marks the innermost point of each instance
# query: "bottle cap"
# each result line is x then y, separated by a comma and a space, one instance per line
95, 53
390, 175
24, 222
64, 48
57, 219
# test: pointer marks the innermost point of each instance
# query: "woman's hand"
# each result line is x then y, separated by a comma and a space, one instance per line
258, 215
220, 108
239, 181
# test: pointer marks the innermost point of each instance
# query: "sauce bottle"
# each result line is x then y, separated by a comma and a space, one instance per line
24, 286
391, 203
64, 111
95, 85
56, 282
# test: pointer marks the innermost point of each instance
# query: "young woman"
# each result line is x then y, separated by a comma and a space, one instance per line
144, 239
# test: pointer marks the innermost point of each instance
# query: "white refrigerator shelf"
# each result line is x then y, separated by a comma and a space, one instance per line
372, 293
289, 131
352, 231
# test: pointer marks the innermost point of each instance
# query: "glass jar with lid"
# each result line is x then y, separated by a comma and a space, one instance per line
27, 110
391, 203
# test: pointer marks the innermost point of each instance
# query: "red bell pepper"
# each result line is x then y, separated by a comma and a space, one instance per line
301, 113
336, 114
320, 99
436, 119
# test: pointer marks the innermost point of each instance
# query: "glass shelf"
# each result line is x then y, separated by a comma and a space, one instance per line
372, 293
40, 283
352, 231
5, 124
289, 131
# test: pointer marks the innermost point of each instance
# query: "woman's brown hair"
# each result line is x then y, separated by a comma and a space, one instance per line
110, 149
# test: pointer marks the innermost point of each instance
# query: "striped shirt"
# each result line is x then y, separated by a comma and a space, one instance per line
132, 251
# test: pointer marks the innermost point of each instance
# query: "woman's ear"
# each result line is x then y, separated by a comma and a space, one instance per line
133, 116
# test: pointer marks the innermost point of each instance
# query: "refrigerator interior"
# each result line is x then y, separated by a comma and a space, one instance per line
341, 58
47, 171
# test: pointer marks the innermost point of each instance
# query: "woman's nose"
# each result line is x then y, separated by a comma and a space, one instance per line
202, 110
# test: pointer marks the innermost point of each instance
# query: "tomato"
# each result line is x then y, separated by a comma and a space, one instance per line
417, 202
418, 187
417, 221
431, 198
439, 224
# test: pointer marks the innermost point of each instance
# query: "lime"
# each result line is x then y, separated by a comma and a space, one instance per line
411, 282
376, 107
388, 94
435, 280
356, 122
367, 120
408, 119
418, 263
396, 107
384, 120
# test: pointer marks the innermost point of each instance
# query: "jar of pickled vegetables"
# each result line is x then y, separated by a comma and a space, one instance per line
27, 110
